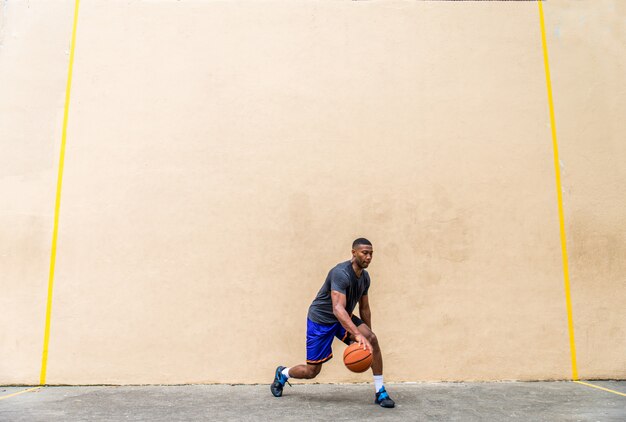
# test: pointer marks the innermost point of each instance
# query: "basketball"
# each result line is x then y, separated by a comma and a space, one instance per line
356, 359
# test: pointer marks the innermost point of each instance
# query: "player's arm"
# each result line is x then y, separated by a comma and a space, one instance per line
364, 310
339, 309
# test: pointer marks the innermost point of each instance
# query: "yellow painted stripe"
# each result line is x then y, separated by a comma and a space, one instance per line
57, 206
568, 298
19, 392
601, 388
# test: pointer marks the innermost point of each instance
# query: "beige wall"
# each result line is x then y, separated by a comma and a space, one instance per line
221, 156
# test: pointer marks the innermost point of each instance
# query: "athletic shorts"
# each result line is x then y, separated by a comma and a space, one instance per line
319, 339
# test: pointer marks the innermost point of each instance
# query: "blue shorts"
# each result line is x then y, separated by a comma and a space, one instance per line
319, 339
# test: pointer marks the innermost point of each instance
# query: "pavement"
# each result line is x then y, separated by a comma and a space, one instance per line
498, 401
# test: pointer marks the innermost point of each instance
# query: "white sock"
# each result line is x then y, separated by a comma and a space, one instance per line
286, 372
378, 382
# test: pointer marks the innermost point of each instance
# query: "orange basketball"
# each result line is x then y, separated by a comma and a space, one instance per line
356, 359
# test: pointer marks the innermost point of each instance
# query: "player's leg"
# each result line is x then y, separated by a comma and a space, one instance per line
382, 398
319, 338
282, 375
377, 355
307, 371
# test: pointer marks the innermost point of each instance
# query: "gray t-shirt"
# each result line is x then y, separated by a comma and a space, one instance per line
343, 279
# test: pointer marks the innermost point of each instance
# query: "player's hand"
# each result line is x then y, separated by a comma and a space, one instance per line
363, 343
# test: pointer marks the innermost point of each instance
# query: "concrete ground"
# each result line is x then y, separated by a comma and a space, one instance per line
524, 401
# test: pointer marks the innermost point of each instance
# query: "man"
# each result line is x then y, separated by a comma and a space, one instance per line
330, 315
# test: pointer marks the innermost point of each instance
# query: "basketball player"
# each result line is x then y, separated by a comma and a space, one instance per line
330, 315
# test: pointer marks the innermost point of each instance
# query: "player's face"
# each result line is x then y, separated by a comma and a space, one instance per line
363, 255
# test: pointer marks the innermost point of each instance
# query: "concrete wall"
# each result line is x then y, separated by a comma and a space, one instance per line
221, 156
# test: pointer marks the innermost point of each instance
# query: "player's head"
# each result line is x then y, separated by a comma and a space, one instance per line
362, 252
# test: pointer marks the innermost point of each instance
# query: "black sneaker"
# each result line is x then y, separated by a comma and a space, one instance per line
383, 399
279, 382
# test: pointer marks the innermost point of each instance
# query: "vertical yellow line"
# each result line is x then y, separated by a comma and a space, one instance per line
57, 206
568, 298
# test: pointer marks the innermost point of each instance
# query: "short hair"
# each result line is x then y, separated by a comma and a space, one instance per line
361, 241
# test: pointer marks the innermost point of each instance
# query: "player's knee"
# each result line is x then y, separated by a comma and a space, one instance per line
313, 371
373, 340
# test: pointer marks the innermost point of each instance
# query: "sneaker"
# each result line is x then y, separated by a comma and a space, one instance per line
383, 399
279, 382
